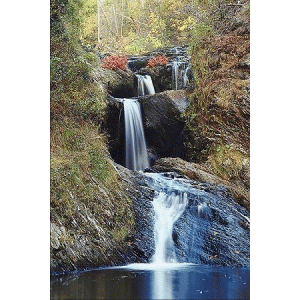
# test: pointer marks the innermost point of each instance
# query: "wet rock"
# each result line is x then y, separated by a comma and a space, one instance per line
213, 228
191, 170
195, 172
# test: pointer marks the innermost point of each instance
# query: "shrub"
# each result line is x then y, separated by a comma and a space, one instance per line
159, 60
115, 62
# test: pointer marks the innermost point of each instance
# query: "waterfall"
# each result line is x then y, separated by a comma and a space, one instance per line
175, 68
167, 209
145, 85
135, 144
185, 77
180, 74
169, 204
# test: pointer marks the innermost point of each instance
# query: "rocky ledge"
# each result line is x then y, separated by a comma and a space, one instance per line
195, 172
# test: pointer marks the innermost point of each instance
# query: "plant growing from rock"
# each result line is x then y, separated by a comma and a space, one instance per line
115, 62
160, 60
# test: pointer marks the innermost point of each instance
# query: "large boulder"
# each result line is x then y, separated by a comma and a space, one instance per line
163, 123
118, 83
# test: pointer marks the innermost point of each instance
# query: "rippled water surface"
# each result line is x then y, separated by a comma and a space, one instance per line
149, 281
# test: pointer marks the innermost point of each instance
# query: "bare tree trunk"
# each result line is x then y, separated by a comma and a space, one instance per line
122, 18
106, 19
99, 6
115, 17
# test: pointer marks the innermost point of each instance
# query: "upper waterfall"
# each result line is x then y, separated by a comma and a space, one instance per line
145, 85
180, 71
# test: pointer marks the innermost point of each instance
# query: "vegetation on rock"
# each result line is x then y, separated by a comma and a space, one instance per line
115, 62
218, 118
159, 60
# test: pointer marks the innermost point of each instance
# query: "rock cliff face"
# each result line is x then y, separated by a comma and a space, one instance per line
88, 239
194, 171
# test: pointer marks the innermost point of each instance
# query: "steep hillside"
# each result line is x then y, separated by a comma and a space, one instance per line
219, 112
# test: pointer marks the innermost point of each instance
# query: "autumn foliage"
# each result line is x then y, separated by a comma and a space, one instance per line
115, 62
159, 60
233, 45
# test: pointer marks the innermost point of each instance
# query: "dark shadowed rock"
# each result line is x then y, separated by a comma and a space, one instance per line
114, 126
161, 77
118, 83
164, 126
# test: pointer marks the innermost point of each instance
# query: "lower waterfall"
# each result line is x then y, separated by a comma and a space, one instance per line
167, 208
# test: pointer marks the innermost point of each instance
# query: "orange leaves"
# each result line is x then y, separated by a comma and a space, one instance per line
160, 60
115, 62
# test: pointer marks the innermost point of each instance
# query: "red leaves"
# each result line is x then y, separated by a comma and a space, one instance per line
160, 60
115, 62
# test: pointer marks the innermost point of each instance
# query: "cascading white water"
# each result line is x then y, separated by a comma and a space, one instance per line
145, 85
135, 144
185, 77
179, 74
175, 68
167, 209
169, 204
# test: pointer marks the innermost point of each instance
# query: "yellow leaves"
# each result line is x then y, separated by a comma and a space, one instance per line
89, 26
157, 24
155, 41
170, 5
188, 23
134, 8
